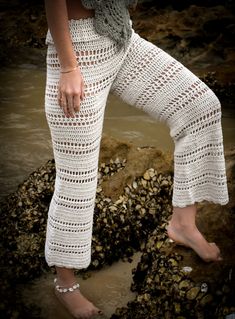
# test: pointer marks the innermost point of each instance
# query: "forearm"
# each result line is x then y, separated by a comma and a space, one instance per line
57, 20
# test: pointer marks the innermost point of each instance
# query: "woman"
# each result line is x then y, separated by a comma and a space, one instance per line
93, 50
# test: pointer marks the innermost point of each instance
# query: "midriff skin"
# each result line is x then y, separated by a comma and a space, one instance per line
77, 11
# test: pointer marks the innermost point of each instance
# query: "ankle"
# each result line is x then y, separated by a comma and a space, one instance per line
65, 283
184, 217
182, 225
66, 288
65, 276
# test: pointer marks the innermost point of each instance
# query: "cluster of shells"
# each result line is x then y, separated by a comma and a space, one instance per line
136, 221
165, 288
121, 227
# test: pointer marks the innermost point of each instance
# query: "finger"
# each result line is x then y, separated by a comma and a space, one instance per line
63, 103
59, 97
70, 105
82, 90
62, 100
64, 106
76, 102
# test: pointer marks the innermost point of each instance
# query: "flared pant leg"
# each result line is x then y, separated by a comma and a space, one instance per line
153, 81
76, 145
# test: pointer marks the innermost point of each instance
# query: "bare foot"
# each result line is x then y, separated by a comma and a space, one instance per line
78, 306
191, 237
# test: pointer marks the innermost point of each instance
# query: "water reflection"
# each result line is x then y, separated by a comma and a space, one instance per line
25, 137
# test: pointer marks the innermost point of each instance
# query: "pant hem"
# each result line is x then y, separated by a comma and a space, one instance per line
69, 266
211, 201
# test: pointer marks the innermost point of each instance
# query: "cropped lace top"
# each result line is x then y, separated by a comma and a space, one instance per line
112, 18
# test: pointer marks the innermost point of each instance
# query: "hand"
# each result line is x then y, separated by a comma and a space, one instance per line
71, 91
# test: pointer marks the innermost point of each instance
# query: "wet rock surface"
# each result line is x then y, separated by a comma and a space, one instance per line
196, 32
133, 205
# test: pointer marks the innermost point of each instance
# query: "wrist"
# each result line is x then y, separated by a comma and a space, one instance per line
69, 69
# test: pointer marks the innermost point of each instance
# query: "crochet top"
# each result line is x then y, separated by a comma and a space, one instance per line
112, 18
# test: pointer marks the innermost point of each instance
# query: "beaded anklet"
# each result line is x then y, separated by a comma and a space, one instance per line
62, 289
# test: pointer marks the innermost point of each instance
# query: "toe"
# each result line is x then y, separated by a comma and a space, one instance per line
100, 312
97, 311
217, 253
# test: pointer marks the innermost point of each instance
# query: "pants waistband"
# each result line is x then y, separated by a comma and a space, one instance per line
81, 30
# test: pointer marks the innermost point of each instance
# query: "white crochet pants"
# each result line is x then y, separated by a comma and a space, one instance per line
148, 78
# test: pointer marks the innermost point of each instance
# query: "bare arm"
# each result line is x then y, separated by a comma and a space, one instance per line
71, 87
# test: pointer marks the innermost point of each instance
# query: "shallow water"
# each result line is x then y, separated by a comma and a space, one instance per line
25, 137
107, 288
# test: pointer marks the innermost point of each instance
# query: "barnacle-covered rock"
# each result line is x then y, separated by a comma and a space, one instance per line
131, 214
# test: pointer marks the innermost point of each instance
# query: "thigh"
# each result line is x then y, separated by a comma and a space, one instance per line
76, 145
155, 82
76, 140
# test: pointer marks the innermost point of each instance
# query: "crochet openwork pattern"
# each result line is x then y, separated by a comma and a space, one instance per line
148, 78
112, 18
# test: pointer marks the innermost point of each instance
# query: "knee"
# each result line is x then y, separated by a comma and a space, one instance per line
201, 111
212, 103
209, 116
210, 113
